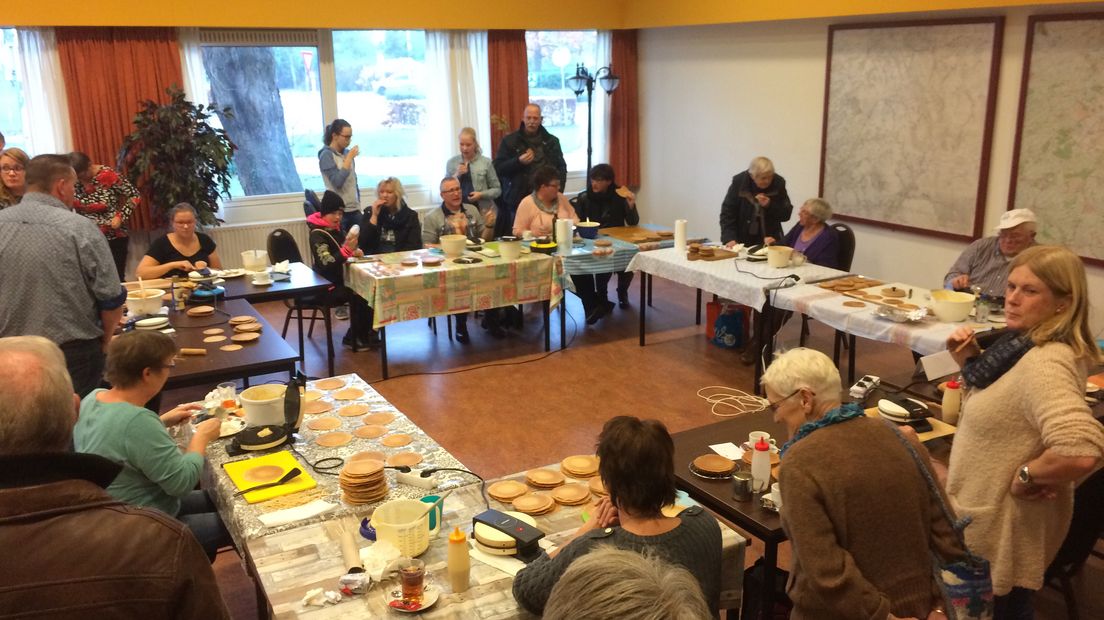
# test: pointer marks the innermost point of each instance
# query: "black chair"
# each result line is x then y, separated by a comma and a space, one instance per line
1085, 529
843, 262
311, 203
281, 247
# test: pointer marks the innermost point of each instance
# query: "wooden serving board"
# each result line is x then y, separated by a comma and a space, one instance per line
718, 254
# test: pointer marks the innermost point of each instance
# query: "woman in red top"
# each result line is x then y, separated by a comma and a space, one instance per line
108, 199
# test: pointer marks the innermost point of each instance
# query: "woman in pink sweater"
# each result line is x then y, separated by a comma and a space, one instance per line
538, 211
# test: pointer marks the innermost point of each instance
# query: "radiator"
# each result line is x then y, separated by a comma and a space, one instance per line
232, 240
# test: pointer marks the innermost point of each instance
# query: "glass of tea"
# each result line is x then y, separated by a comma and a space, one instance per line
412, 577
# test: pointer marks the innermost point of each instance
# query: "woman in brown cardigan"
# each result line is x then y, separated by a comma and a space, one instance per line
1026, 434
862, 519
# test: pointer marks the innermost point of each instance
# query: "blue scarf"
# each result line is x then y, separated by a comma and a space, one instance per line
840, 414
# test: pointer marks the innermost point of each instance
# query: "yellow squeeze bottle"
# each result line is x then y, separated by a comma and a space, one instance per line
459, 562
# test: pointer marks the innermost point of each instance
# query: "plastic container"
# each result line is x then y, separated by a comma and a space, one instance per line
509, 248
459, 562
952, 402
405, 524
254, 260
144, 302
264, 404
453, 245
760, 466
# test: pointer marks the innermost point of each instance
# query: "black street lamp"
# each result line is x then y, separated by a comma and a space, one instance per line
583, 80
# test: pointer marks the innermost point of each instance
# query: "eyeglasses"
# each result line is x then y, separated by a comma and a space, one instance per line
168, 366
347, 136
11, 169
773, 407
450, 191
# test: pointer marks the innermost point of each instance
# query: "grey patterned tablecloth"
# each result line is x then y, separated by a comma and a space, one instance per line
241, 517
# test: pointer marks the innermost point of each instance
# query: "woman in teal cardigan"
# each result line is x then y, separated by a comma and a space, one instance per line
116, 425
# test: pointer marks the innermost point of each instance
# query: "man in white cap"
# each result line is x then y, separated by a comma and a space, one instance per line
984, 263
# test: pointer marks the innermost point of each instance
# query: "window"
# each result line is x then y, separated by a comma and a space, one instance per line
276, 102
381, 90
553, 56
13, 119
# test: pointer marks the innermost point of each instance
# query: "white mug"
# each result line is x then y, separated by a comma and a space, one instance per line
754, 436
262, 278
776, 496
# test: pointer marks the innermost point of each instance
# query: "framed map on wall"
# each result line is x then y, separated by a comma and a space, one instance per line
908, 122
1058, 162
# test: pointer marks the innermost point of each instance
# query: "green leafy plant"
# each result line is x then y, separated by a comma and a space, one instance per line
175, 155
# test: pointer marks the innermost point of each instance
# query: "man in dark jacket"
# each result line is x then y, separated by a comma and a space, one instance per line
70, 549
519, 154
755, 206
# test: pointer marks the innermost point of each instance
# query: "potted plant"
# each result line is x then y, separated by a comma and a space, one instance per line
175, 155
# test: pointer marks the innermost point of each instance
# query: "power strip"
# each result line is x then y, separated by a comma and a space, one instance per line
864, 385
414, 478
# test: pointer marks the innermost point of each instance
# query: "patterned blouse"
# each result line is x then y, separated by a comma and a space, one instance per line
108, 194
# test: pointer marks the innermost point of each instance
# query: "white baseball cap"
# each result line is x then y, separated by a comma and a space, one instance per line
1015, 217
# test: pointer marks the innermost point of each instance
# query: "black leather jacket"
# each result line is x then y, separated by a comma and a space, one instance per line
70, 550
740, 208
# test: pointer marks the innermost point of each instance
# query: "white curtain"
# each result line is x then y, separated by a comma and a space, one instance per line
458, 96
46, 111
196, 88
604, 51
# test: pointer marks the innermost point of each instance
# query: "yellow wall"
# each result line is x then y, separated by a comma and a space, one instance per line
478, 14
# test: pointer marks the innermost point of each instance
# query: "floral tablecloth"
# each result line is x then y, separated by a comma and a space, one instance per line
403, 293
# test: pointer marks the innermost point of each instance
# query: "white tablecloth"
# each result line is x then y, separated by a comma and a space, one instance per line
925, 337
743, 282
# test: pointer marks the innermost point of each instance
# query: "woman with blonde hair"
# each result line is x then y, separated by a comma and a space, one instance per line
389, 225
478, 180
13, 176
1026, 435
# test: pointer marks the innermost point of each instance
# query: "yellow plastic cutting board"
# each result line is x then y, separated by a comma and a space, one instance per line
284, 460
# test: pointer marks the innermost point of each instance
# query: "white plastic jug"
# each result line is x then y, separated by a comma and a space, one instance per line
398, 522
264, 404
254, 260
509, 248
778, 256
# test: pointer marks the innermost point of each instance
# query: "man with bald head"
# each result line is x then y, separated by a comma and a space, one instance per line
57, 274
518, 155
69, 549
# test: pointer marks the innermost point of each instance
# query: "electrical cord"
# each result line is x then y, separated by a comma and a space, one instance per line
425, 473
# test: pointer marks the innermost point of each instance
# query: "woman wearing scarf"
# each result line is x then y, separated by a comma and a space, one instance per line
388, 224
861, 518
1026, 435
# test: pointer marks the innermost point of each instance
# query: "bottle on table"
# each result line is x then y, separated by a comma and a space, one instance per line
459, 562
952, 402
760, 466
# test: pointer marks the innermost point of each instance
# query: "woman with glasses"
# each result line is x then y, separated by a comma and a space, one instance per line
181, 250
337, 163
538, 211
862, 519
13, 176
116, 425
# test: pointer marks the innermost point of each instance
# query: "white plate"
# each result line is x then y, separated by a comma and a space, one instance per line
429, 597
231, 426
232, 273
1091, 388
999, 319
152, 322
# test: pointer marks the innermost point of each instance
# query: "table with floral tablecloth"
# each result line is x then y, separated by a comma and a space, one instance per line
397, 292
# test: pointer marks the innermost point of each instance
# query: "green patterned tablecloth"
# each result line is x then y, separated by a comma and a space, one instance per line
403, 293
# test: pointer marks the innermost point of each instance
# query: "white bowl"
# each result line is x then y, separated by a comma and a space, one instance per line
951, 306
453, 245
144, 302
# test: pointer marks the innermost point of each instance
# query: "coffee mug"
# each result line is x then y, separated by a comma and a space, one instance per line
262, 278
435, 514
754, 436
776, 496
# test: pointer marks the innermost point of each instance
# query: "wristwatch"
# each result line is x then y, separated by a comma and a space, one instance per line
1024, 475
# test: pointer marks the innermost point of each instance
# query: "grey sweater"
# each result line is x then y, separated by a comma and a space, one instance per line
695, 545
339, 179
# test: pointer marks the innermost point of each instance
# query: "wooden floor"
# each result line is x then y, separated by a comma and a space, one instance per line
503, 405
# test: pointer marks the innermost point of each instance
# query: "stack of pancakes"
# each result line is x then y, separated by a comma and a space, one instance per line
363, 482
580, 466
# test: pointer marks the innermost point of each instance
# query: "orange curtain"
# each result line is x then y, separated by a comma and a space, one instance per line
508, 69
108, 72
625, 110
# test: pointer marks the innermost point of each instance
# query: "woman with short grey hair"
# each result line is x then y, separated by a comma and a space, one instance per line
843, 518
812, 236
